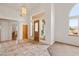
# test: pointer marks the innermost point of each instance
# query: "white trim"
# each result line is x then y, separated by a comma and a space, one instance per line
37, 13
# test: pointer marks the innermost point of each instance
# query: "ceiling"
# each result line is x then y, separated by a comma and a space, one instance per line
17, 5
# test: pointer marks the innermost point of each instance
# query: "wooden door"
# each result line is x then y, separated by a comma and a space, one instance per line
14, 31
14, 35
36, 30
25, 31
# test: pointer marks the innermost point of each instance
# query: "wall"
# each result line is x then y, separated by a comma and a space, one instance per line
52, 23
13, 14
20, 28
61, 24
46, 8
9, 13
6, 30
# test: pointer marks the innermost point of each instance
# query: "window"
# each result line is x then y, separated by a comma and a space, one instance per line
73, 27
73, 20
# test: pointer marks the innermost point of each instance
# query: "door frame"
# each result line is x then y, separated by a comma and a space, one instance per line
14, 25
34, 17
38, 29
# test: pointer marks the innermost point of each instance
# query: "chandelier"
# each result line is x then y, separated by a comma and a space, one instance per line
23, 11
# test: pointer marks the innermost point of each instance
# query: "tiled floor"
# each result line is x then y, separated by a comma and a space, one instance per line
29, 48
61, 49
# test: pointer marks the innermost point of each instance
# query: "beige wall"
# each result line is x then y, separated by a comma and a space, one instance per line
12, 13
61, 24
8, 12
46, 8
6, 29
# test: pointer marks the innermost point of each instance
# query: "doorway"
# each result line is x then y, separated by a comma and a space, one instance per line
36, 30
25, 32
14, 31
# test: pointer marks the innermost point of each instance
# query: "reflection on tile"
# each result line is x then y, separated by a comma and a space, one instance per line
24, 49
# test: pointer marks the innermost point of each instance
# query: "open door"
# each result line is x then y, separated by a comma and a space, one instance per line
25, 32
36, 30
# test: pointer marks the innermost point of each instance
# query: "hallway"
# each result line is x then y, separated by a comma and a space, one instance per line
29, 48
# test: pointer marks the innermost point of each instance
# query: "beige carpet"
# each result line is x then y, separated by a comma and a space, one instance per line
29, 48
61, 49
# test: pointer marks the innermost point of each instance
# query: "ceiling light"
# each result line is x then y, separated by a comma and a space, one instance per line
23, 11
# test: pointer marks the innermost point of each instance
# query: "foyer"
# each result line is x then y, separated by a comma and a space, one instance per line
39, 29
23, 29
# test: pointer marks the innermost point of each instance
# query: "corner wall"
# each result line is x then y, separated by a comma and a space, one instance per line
52, 24
62, 24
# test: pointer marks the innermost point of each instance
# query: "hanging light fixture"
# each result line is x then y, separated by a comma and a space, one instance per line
23, 11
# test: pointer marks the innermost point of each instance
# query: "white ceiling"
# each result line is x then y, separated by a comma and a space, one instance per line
18, 5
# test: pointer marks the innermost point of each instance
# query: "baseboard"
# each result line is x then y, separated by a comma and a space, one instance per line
66, 43
5, 41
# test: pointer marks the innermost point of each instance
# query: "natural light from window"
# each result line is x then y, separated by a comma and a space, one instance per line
73, 20
73, 23
74, 11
